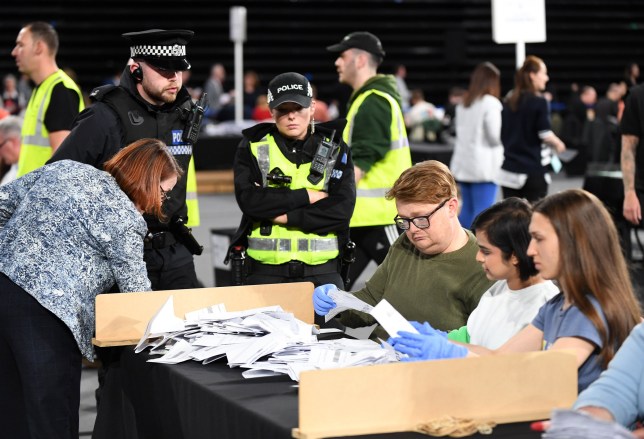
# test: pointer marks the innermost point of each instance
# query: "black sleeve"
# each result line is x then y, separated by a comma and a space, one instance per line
631, 119
331, 214
258, 202
63, 108
95, 137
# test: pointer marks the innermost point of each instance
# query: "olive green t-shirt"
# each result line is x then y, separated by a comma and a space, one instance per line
441, 289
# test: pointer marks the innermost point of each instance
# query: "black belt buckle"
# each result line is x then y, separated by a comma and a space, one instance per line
295, 269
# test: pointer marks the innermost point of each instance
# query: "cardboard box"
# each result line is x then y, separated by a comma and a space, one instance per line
121, 318
397, 397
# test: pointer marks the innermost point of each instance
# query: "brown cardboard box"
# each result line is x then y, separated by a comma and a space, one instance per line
121, 318
399, 396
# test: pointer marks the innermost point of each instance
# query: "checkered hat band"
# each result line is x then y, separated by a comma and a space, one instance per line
148, 50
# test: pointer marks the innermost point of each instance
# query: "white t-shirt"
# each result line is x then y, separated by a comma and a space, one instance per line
503, 312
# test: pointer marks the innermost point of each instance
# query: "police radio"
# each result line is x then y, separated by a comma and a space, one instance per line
193, 124
322, 155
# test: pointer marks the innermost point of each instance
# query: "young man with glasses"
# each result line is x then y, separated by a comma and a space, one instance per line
430, 272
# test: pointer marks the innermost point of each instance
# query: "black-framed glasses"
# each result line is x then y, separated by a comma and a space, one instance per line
422, 222
164, 194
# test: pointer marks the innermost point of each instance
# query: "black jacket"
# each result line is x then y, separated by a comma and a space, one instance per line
331, 214
119, 116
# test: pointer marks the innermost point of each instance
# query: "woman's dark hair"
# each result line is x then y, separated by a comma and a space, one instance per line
506, 225
139, 169
592, 262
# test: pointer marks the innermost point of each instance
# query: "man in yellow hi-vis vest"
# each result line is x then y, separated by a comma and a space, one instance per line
150, 101
376, 134
55, 101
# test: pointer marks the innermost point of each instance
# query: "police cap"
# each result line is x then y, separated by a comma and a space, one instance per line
165, 49
289, 87
359, 40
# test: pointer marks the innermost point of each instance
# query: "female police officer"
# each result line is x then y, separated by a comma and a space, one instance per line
294, 183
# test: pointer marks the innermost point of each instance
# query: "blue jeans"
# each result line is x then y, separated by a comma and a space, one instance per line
475, 197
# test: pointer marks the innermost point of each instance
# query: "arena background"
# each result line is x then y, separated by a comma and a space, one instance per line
440, 41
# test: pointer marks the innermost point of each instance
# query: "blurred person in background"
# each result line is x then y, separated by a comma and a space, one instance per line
527, 136
478, 152
54, 103
10, 127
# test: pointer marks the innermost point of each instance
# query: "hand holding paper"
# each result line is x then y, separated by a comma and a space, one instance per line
322, 303
426, 329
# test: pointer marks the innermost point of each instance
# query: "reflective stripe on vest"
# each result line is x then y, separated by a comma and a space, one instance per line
284, 243
36, 149
372, 209
191, 195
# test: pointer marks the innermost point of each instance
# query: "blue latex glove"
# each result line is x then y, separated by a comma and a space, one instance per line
322, 303
427, 346
427, 329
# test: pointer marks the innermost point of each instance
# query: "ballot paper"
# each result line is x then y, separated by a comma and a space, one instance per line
390, 319
567, 155
571, 423
345, 301
265, 341
162, 322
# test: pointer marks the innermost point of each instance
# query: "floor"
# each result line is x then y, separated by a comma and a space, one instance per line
221, 212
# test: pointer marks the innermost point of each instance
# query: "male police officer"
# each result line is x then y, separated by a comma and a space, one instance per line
149, 102
376, 134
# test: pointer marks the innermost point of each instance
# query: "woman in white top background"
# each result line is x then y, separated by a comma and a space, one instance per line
478, 152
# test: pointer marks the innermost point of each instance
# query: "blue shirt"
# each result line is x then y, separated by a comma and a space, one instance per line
67, 233
620, 388
556, 322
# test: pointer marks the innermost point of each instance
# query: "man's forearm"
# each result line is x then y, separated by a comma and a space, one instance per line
629, 145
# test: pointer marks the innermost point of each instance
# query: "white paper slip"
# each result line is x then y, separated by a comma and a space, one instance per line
163, 321
567, 155
390, 319
345, 301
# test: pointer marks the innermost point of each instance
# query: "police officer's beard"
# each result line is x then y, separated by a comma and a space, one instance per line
158, 96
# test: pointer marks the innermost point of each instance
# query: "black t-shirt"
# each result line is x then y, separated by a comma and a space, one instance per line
633, 124
63, 108
520, 134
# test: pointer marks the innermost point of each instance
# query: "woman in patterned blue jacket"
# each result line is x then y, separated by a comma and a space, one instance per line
68, 232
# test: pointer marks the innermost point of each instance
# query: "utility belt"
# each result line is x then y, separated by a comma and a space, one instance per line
178, 232
292, 268
158, 240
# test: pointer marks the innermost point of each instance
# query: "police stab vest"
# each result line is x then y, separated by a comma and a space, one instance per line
36, 149
139, 121
372, 208
284, 243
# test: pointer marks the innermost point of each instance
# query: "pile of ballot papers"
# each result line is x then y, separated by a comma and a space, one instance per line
266, 341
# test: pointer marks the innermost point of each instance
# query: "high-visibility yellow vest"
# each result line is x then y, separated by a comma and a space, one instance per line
192, 203
284, 243
372, 209
35, 149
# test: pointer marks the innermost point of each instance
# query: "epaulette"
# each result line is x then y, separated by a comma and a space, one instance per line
99, 92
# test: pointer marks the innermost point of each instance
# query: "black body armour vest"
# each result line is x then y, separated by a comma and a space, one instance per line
138, 121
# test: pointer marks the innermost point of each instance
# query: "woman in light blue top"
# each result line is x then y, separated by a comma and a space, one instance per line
68, 232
